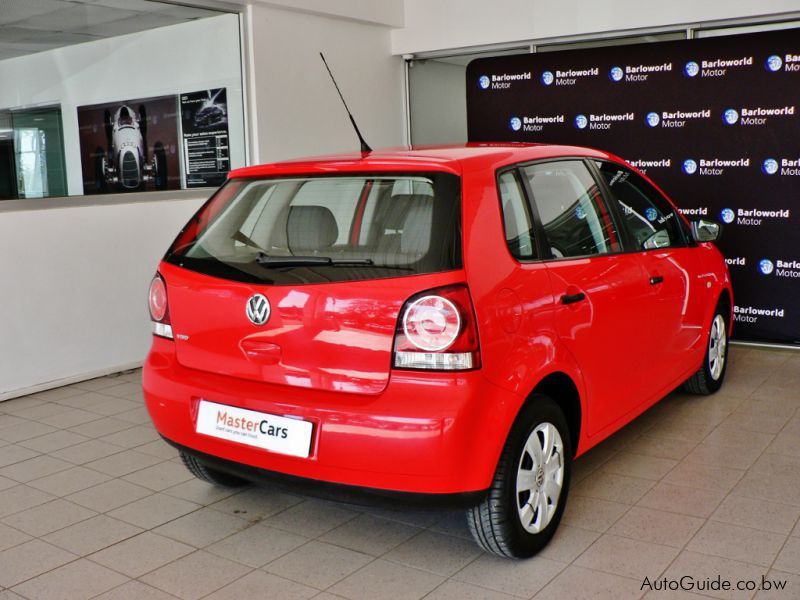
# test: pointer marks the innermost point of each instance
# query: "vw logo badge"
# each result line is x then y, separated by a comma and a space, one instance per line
258, 309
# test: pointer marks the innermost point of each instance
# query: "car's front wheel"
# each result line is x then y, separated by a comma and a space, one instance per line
526, 500
709, 377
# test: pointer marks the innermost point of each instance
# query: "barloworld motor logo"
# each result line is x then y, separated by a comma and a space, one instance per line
727, 215
548, 78
616, 74
754, 216
651, 213
751, 314
652, 119
780, 268
770, 166
773, 63
730, 116
515, 123
690, 166
691, 69
484, 82
581, 121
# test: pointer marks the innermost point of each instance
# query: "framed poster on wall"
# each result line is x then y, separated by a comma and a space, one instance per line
130, 145
206, 152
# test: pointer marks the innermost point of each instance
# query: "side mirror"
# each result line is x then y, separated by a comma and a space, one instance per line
705, 231
660, 239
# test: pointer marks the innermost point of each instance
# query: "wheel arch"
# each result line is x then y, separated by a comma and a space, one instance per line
559, 386
726, 301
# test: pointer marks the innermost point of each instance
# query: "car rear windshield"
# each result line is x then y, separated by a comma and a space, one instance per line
320, 229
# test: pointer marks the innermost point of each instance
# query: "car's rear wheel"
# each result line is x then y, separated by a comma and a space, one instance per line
526, 500
206, 473
709, 377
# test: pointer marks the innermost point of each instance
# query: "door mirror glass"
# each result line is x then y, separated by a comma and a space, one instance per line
660, 239
705, 231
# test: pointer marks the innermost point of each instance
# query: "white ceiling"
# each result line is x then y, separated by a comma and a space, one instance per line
28, 26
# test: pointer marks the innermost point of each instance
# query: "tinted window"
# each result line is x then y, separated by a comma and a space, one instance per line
576, 221
517, 220
298, 230
649, 218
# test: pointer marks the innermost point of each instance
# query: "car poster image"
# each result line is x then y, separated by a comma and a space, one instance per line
204, 119
130, 145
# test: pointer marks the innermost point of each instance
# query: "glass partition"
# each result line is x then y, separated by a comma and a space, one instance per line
32, 153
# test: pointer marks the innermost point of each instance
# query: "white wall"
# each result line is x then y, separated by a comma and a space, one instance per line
297, 112
74, 287
74, 279
447, 24
192, 56
382, 12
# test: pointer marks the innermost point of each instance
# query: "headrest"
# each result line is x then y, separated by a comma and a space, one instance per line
311, 228
399, 205
416, 238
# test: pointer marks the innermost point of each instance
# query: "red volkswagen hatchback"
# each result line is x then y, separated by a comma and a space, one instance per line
458, 322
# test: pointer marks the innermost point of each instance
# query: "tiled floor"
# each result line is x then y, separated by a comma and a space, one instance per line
94, 505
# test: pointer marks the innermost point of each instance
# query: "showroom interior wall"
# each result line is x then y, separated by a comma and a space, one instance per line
75, 277
163, 61
298, 112
75, 271
452, 24
444, 36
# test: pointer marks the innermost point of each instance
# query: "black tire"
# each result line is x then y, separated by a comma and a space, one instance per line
143, 126
201, 471
100, 183
108, 126
704, 382
495, 523
161, 176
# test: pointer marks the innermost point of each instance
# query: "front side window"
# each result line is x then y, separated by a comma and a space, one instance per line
325, 229
517, 221
575, 219
649, 218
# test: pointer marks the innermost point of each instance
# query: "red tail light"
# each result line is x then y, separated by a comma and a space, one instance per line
437, 331
159, 307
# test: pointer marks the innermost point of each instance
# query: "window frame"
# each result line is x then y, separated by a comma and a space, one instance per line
629, 242
544, 254
537, 246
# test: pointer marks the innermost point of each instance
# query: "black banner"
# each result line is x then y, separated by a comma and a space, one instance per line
206, 155
715, 122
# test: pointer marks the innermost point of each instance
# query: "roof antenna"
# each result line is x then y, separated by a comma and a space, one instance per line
365, 149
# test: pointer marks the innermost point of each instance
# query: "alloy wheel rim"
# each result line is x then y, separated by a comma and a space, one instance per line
540, 478
717, 347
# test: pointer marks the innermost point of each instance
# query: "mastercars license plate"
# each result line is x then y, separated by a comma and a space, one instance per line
270, 432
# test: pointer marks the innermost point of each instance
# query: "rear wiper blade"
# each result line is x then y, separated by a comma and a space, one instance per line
306, 261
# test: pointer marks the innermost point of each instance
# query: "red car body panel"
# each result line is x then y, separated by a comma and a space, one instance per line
326, 354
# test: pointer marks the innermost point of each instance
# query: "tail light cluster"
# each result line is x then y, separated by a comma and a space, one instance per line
159, 307
437, 331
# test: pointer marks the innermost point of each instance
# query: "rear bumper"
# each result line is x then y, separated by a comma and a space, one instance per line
426, 433
336, 491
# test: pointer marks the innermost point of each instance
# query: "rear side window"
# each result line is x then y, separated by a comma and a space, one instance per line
575, 219
297, 230
517, 220
649, 218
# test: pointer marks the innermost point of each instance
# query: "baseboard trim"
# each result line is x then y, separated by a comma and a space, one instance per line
49, 385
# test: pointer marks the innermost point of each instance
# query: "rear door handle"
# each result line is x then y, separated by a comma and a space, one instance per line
572, 298
656, 280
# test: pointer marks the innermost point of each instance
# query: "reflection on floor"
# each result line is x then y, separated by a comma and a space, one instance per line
94, 504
